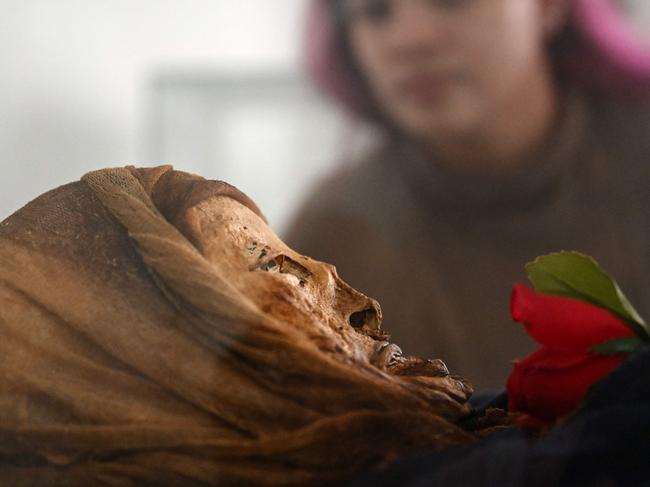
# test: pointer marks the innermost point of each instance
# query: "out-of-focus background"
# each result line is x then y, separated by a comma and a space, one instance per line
214, 87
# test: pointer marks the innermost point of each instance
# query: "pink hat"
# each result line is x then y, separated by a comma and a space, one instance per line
598, 51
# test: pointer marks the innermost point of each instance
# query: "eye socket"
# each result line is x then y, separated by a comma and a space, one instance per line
285, 265
269, 266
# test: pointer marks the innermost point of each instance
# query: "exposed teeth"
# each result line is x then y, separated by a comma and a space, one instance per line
387, 354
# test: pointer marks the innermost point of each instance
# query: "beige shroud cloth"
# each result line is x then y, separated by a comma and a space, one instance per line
127, 359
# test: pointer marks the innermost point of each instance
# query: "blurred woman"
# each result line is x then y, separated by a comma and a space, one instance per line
512, 128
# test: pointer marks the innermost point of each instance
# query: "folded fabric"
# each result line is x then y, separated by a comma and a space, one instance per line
128, 358
603, 443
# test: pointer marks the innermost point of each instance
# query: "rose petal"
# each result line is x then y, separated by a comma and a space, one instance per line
564, 323
551, 383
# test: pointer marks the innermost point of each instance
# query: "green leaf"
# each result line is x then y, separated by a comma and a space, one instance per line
578, 276
618, 346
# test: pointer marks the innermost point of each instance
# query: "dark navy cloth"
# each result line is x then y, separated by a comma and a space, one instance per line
606, 443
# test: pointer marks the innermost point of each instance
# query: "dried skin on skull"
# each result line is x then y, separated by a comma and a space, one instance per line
310, 296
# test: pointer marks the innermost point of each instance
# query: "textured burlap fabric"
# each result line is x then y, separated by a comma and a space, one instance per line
126, 358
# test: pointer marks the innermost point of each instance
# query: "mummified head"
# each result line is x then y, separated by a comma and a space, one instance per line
178, 320
309, 296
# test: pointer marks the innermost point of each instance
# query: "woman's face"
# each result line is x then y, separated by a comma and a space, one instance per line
448, 67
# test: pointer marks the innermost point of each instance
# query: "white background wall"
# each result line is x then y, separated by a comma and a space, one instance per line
641, 9
74, 74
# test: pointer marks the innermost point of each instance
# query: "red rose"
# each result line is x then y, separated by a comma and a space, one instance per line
551, 382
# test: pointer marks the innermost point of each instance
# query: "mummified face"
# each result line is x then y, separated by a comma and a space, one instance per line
305, 293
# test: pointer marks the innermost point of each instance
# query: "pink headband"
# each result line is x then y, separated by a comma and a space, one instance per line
620, 60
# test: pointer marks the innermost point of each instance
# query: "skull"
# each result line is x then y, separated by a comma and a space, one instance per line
308, 295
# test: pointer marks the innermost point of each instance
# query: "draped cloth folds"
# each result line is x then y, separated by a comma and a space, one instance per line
127, 358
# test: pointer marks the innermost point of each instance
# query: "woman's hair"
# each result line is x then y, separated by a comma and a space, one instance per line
596, 51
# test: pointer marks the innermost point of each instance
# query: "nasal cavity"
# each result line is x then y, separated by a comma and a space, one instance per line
365, 317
